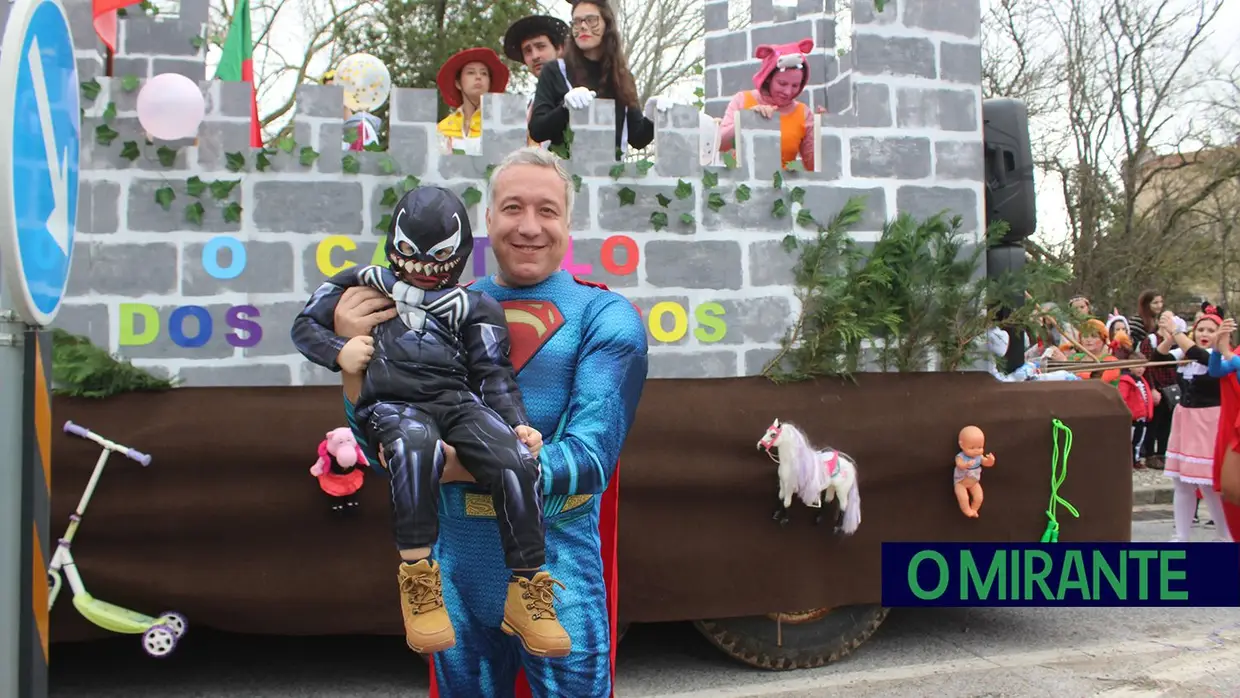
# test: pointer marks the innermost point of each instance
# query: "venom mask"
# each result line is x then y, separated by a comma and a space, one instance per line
430, 240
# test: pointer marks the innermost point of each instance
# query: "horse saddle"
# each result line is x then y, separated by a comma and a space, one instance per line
831, 460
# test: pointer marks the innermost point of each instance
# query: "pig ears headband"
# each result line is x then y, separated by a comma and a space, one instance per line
780, 58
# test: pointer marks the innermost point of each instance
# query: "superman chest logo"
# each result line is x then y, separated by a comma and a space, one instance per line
531, 324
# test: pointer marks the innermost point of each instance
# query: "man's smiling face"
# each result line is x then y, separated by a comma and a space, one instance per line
528, 223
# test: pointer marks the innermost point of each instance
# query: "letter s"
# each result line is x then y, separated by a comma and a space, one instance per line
711, 326
238, 318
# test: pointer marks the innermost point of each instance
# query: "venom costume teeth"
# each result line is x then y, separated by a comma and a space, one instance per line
410, 266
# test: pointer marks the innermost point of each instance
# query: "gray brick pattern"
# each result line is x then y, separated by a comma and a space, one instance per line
212, 301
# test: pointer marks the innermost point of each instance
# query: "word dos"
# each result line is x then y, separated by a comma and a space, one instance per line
246, 332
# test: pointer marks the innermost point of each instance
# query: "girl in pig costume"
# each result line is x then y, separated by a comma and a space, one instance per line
339, 468
778, 82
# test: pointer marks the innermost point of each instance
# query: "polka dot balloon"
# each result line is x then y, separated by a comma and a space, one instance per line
366, 82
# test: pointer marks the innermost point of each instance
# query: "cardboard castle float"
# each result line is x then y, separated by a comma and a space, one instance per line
211, 300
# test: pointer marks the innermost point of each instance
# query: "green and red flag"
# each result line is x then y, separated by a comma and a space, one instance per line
104, 13
237, 63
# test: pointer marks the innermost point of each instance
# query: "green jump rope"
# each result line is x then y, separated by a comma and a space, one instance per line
1058, 475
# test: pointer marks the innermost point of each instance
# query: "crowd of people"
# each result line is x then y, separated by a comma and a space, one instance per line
587, 62
1179, 381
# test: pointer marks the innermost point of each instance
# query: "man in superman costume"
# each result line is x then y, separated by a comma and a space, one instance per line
580, 355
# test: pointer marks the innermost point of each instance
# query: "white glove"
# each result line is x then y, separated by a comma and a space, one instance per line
579, 98
660, 103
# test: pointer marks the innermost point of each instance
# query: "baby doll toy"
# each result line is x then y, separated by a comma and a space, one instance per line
439, 373
338, 468
968, 473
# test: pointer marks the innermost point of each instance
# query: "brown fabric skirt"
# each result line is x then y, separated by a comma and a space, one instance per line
228, 527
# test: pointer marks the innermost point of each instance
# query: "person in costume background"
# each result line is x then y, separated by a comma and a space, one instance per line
581, 358
1121, 336
535, 41
1225, 365
1145, 326
779, 81
594, 66
1194, 423
462, 81
1096, 341
1141, 399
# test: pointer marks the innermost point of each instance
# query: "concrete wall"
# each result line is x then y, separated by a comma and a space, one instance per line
718, 281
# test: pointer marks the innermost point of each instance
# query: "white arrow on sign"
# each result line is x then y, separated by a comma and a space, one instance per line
58, 220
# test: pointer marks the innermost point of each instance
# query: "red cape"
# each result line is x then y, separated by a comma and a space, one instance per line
608, 529
1228, 426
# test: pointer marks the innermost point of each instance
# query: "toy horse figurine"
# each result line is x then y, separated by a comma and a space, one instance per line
815, 477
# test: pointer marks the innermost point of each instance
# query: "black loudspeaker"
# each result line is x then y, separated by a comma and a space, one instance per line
1009, 259
1010, 194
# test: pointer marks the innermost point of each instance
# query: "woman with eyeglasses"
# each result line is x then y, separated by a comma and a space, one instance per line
594, 66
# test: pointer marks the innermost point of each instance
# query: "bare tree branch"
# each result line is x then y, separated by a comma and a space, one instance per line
1111, 84
319, 22
663, 42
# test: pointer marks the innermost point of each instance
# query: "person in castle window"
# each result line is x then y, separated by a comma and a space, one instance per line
439, 372
360, 128
462, 81
593, 67
536, 41
779, 81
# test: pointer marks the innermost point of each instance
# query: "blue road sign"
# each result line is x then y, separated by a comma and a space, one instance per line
40, 139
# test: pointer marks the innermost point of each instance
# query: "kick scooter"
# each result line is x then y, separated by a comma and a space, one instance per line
160, 633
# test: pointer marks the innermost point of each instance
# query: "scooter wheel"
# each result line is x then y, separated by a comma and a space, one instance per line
159, 641
175, 621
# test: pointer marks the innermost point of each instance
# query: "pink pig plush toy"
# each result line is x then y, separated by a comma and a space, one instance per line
338, 468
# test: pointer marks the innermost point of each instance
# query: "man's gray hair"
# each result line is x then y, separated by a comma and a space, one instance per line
538, 157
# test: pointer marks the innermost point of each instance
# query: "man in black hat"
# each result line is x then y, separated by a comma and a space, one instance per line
536, 41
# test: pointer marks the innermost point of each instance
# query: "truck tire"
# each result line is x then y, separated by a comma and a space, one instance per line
809, 638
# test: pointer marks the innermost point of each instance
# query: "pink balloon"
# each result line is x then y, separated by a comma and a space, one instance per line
171, 106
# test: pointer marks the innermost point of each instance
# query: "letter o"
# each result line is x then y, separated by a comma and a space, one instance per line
607, 256
211, 254
944, 575
680, 322
176, 326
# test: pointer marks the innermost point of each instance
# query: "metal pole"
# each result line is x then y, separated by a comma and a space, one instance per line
11, 524
36, 506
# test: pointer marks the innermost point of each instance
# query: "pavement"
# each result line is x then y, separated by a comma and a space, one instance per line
1150, 487
955, 653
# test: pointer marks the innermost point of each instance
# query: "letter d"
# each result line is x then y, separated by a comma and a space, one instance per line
150, 324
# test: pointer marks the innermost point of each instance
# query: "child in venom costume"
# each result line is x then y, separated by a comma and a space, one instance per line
440, 369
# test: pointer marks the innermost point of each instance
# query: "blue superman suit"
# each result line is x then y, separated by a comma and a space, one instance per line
580, 355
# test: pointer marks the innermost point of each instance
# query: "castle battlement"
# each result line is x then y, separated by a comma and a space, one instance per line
196, 256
